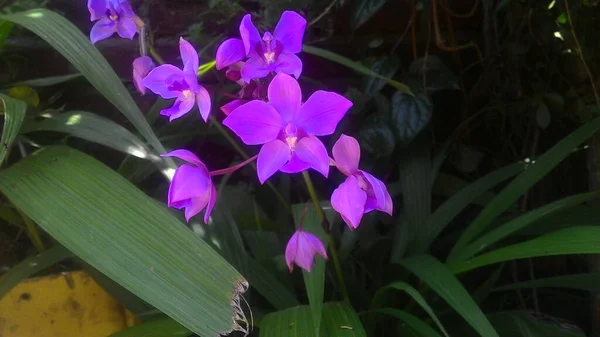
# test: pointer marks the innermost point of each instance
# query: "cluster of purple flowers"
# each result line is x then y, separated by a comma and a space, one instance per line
269, 112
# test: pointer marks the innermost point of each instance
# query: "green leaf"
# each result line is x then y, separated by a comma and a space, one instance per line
432, 71
269, 286
562, 19
364, 10
536, 171
518, 223
68, 40
14, 114
422, 328
48, 81
586, 282
542, 115
5, 29
387, 67
554, 101
569, 241
92, 127
377, 139
530, 324
410, 115
326, 54
445, 213
116, 228
340, 320
159, 328
439, 278
32, 265
412, 292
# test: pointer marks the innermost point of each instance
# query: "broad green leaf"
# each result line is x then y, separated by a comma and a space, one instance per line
416, 296
410, 115
364, 10
569, 241
518, 223
420, 327
586, 281
48, 81
14, 114
5, 29
340, 320
522, 183
92, 127
444, 214
164, 327
116, 228
387, 67
32, 265
326, 54
377, 138
68, 40
447, 286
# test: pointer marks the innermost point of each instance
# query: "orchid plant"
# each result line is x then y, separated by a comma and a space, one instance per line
269, 112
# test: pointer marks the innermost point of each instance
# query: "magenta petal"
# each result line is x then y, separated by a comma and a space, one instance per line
188, 182
103, 29
380, 193
196, 205
285, 96
203, 101
272, 156
188, 156
289, 64
160, 79
290, 31
231, 51
255, 67
349, 200
305, 250
255, 122
212, 200
230, 106
189, 57
141, 67
295, 165
97, 9
249, 34
316, 244
346, 153
126, 28
312, 151
322, 112
182, 106
290, 251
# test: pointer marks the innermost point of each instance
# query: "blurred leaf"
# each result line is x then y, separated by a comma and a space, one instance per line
164, 327
326, 54
32, 265
542, 115
447, 286
410, 115
116, 228
484, 290
48, 81
269, 286
582, 215
568, 241
25, 94
377, 139
92, 127
586, 282
5, 29
530, 324
358, 100
422, 328
436, 75
386, 67
465, 158
416, 296
14, 114
562, 19
364, 10
521, 184
554, 101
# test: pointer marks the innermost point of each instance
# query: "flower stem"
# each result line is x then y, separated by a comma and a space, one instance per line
330, 242
232, 168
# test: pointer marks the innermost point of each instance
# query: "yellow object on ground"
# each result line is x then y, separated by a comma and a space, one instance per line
64, 305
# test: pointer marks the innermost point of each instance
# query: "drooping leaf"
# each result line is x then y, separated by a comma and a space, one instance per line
387, 67
586, 282
116, 228
410, 115
422, 328
447, 286
433, 72
364, 10
14, 114
158, 328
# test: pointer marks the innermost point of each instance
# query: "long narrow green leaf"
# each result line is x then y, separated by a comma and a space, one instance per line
530, 324
403, 286
536, 171
422, 328
326, 54
164, 327
14, 114
513, 226
569, 241
269, 286
47, 81
586, 281
444, 214
439, 278
116, 228
31, 266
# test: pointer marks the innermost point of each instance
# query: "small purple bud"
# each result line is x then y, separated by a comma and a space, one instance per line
141, 67
301, 250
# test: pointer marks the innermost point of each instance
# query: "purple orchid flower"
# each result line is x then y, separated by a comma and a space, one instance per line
113, 16
273, 53
232, 105
301, 250
361, 192
287, 128
191, 187
141, 67
169, 81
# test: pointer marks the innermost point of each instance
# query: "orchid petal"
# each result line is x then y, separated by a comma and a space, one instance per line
203, 101
382, 199
182, 106
346, 153
272, 156
285, 96
255, 122
295, 165
196, 205
160, 79
289, 64
103, 29
312, 151
255, 67
249, 34
322, 112
212, 200
290, 251
189, 57
231, 51
230, 106
126, 28
316, 244
188, 156
349, 200
290, 31
141, 67
188, 182
97, 9
305, 250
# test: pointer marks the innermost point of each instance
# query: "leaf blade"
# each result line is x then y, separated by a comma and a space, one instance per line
14, 114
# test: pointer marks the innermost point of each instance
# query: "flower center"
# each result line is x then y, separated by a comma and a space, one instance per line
112, 14
269, 57
291, 136
187, 93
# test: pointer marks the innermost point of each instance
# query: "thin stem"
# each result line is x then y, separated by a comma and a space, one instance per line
232, 168
330, 242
